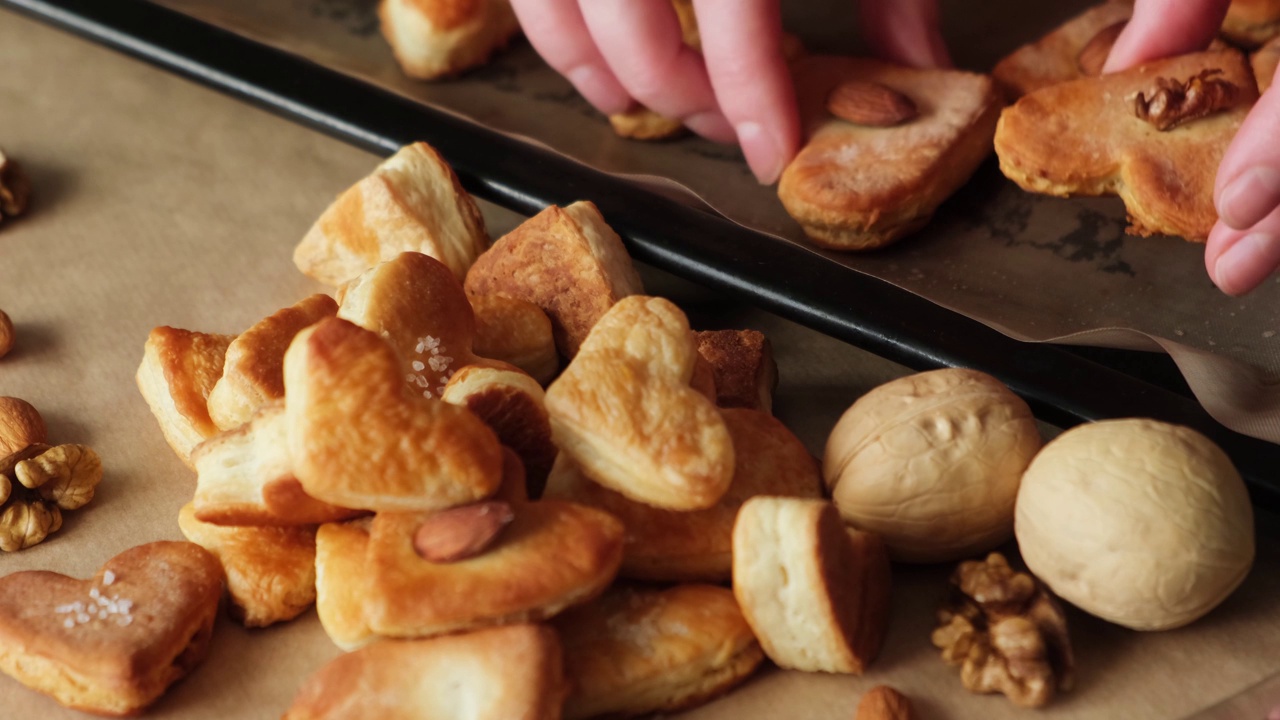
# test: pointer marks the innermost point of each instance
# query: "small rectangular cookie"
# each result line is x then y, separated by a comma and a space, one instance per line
743, 367
178, 371
436, 38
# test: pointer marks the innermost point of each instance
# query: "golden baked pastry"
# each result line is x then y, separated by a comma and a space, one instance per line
412, 201
358, 438
342, 582
552, 555
513, 404
516, 332
178, 371
1056, 57
435, 38
568, 262
1264, 63
816, 594
665, 545
114, 643
624, 411
271, 571
854, 187
742, 366
417, 305
515, 488
1085, 137
253, 373
245, 477
1251, 23
636, 651
506, 673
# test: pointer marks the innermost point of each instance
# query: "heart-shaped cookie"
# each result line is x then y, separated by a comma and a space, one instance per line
624, 411
417, 305
113, 643
359, 438
1086, 137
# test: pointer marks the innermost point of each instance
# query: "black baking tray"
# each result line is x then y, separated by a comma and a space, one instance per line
1064, 386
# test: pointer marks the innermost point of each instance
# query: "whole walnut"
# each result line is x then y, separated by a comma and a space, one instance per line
931, 463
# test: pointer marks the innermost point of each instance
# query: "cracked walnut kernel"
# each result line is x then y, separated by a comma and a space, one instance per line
14, 188
66, 475
24, 523
1006, 632
1171, 103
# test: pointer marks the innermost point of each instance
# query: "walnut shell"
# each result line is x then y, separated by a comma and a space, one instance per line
20, 426
931, 463
1139, 522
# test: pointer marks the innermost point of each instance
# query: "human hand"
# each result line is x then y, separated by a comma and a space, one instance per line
738, 89
1244, 246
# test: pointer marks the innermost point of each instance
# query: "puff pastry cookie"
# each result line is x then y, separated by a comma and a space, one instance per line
1085, 138
412, 201
665, 545
1264, 63
636, 651
114, 643
179, 369
624, 410
816, 594
516, 332
856, 188
342, 581
745, 374
435, 38
1251, 23
568, 262
1056, 57
253, 373
553, 555
271, 571
506, 673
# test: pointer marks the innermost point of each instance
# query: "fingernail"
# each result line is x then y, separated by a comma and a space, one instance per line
711, 125
1250, 197
599, 89
1246, 263
762, 153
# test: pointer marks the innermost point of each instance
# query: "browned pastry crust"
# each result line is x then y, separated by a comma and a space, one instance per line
1264, 63
1084, 138
436, 38
1054, 58
516, 332
507, 673
664, 545
271, 571
636, 651
114, 643
742, 364
513, 404
411, 202
178, 371
358, 438
245, 477
552, 555
856, 188
414, 302
566, 261
625, 412
342, 582
253, 373
1251, 23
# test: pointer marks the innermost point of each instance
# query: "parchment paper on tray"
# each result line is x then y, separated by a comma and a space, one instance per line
1035, 268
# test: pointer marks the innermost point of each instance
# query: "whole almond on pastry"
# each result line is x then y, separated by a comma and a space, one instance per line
1094, 54
884, 703
869, 103
462, 532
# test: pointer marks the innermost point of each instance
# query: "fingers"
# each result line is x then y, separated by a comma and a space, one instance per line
1161, 28
641, 41
1240, 260
559, 34
905, 31
1248, 184
750, 79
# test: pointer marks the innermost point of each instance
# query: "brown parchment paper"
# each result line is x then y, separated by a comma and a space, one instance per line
1035, 268
158, 202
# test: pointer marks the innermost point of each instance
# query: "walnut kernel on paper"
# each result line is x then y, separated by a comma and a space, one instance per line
1006, 632
36, 484
24, 523
15, 191
66, 475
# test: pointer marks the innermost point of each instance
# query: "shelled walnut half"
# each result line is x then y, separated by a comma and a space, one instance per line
1006, 632
1171, 102
37, 483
